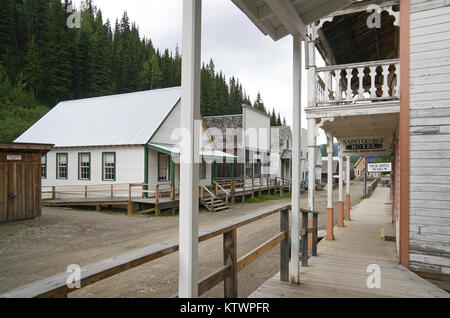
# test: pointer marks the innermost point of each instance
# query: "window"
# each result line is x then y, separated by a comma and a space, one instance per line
163, 167
44, 167
358, 172
202, 172
62, 166
84, 166
109, 166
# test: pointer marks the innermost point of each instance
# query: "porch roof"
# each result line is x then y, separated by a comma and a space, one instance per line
278, 18
205, 153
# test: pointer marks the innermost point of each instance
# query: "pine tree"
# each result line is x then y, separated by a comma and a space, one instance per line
32, 71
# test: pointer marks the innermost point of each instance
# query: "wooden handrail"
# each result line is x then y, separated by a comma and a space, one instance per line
221, 188
55, 286
207, 190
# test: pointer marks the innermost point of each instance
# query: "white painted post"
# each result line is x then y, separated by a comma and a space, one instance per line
296, 160
341, 188
330, 212
189, 158
312, 138
348, 176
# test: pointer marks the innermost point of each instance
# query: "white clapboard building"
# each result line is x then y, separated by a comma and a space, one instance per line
127, 138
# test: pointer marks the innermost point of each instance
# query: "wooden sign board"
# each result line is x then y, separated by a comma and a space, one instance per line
365, 146
13, 157
379, 167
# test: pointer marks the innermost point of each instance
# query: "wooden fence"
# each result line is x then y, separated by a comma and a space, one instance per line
56, 286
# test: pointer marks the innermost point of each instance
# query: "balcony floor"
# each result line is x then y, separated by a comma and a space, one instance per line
340, 269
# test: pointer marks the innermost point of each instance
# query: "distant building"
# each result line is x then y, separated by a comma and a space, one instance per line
127, 138
360, 168
247, 136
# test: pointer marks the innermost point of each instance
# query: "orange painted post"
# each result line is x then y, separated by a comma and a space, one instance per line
86, 191
330, 224
201, 193
340, 222
112, 190
171, 192
347, 208
143, 191
53, 193
233, 187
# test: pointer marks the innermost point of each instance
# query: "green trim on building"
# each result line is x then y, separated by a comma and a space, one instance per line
159, 150
172, 173
79, 167
146, 148
103, 165
67, 162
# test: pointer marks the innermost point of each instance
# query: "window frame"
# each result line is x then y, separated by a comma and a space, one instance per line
203, 168
79, 166
44, 177
168, 167
103, 166
58, 155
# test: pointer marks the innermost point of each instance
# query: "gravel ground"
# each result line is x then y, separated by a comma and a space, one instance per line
35, 249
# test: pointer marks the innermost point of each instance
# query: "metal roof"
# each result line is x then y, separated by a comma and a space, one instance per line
126, 119
278, 18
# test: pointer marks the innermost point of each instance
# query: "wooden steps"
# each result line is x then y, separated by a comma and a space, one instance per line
217, 205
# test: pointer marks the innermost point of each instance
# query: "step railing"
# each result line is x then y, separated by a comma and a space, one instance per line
220, 188
359, 82
57, 286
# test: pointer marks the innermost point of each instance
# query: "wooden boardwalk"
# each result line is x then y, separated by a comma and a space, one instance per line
340, 269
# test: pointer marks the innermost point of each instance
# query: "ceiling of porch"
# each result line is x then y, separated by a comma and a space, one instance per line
363, 126
278, 18
348, 39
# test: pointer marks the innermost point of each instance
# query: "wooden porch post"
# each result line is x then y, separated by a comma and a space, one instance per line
189, 159
296, 132
330, 212
347, 198
341, 188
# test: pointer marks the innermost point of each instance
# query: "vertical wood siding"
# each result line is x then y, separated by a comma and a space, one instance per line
430, 136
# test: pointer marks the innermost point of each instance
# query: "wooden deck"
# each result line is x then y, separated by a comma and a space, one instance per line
163, 202
340, 269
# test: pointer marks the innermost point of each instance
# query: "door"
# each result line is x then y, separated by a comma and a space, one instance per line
20, 196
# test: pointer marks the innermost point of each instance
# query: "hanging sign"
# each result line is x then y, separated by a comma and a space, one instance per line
13, 157
365, 146
379, 167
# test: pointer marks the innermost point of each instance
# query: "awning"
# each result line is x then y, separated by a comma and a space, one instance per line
206, 153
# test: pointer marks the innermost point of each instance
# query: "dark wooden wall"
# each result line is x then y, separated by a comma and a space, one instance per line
20, 187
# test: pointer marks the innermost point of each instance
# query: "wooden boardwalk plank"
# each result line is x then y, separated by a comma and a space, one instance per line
340, 269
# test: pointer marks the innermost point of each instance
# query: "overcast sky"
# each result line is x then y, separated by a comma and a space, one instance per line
237, 47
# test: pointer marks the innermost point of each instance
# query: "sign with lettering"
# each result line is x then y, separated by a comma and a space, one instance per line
13, 157
364, 146
379, 167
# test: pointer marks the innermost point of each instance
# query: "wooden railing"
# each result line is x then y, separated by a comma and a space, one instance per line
371, 188
360, 82
226, 192
83, 191
56, 286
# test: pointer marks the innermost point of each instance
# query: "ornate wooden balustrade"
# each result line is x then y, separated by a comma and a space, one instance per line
366, 82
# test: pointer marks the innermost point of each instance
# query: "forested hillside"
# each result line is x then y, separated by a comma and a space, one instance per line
48, 62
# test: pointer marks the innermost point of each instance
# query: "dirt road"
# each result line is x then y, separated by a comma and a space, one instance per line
33, 250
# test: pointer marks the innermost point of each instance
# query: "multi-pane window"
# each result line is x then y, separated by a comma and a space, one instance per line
109, 166
84, 166
202, 172
44, 167
163, 167
61, 166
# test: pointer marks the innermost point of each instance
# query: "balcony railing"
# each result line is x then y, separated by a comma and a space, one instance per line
366, 82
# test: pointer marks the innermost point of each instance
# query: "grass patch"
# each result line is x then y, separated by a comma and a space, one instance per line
362, 198
266, 197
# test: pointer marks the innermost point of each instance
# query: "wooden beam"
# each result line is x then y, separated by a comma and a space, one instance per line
288, 16
252, 256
